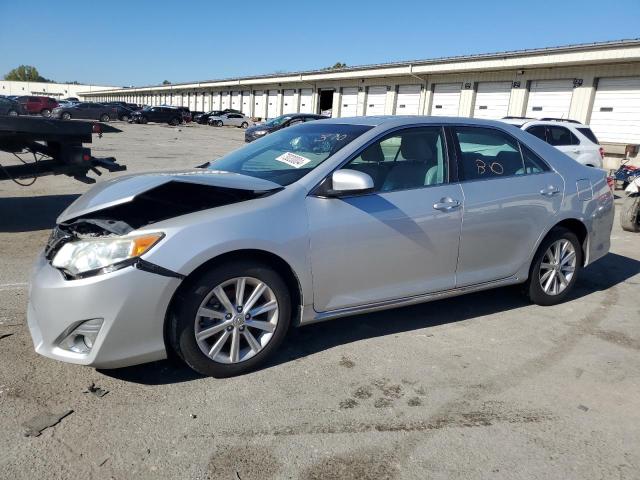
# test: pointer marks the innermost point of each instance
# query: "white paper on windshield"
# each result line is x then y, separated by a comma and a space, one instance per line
293, 160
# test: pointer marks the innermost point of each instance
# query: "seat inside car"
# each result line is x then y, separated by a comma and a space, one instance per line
418, 166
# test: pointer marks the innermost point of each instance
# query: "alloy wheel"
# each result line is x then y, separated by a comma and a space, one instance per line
236, 320
558, 267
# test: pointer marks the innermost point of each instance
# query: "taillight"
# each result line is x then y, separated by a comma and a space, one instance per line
601, 153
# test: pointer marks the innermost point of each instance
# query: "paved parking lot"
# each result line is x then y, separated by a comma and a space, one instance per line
482, 386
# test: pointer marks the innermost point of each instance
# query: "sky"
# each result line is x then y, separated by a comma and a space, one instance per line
143, 42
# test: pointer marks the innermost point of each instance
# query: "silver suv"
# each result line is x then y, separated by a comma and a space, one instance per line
569, 136
317, 221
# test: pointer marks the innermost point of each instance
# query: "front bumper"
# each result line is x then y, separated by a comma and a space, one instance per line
131, 302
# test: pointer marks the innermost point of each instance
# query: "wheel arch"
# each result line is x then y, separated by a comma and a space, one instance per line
575, 226
275, 261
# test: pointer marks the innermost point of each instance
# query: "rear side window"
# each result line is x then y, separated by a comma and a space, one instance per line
588, 133
538, 131
559, 136
532, 163
487, 153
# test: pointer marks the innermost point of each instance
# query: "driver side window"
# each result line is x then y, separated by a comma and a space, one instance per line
407, 159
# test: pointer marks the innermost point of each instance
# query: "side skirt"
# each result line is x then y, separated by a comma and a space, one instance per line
316, 317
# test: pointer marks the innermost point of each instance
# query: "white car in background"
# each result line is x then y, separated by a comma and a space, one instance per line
568, 136
232, 119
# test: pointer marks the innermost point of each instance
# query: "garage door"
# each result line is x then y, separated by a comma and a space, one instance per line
246, 102
226, 102
349, 102
446, 99
376, 100
408, 100
215, 104
288, 102
236, 103
492, 100
616, 110
272, 106
259, 104
306, 100
550, 98
206, 107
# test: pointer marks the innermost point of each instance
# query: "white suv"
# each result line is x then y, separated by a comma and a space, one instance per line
569, 136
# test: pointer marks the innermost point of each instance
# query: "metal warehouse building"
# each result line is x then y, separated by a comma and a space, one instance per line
596, 83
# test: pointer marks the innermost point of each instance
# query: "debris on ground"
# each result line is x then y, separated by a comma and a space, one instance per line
5, 335
42, 421
584, 408
97, 391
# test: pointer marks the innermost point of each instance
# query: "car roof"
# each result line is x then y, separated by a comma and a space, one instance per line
400, 120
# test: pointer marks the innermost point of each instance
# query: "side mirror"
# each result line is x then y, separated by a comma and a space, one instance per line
350, 182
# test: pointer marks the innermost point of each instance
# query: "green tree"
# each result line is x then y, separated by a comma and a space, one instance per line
337, 66
166, 82
25, 73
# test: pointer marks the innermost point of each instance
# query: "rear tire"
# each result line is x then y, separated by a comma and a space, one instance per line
218, 123
174, 122
144, 120
66, 116
244, 125
630, 213
45, 112
125, 118
12, 113
201, 295
552, 279
104, 117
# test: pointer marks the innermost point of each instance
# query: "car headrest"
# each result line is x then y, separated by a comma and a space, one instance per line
416, 148
373, 153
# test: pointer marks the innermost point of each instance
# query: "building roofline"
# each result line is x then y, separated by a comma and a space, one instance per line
634, 42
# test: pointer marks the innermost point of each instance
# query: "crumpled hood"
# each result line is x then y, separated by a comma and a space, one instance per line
124, 189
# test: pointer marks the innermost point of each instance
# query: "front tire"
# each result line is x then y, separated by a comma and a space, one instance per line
244, 125
555, 268
66, 116
218, 123
231, 319
630, 213
12, 113
174, 122
45, 112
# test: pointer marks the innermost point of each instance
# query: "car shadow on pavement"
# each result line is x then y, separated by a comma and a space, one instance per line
28, 214
301, 342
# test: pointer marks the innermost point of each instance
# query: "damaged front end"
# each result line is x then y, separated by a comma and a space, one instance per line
103, 238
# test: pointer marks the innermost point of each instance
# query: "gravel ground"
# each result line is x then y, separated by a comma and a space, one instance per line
481, 386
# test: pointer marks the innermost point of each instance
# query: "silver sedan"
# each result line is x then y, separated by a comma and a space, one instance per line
232, 119
318, 221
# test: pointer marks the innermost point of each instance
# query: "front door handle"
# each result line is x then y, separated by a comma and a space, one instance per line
446, 204
549, 191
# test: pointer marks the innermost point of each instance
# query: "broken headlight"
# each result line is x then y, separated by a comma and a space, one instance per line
102, 254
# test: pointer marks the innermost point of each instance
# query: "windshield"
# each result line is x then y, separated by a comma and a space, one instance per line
288, 155
274, 122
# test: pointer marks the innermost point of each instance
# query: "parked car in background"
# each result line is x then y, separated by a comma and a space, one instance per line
129, 106
317, 221
278, 123
87, 111
569, 136
203, 118
38, 105
11, 107
231, 119
170, 115
186, 114
72, 99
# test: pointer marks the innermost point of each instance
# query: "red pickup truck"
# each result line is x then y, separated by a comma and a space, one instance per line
38, 105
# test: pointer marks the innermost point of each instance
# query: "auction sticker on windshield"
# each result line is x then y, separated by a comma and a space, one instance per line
293, 160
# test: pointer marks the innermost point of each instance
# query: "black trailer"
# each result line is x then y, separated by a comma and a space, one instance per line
54, 147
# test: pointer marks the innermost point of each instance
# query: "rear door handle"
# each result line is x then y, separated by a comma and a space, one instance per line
550, 190
446, 204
